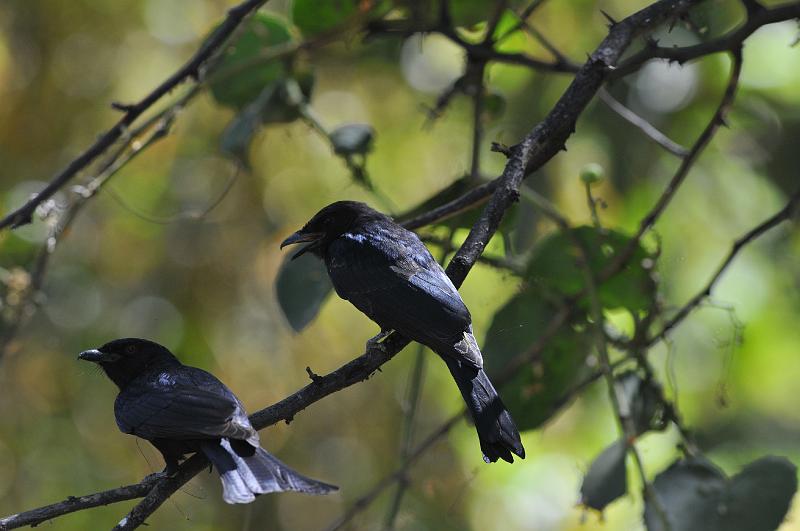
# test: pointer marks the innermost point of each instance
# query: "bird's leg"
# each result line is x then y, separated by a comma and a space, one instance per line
377, 341
170, 458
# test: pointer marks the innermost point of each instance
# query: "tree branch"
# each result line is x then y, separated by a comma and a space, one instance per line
646, 127
539, 146
728, 42
191, 69
717, 120
784, 214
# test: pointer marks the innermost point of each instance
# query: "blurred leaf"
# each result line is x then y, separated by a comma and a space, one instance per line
697, 496
607, 478
259, 33
316, 16
641, 401
302, 286
494, 105
555, 266
273, 105
239, 133
540, 388
467, 13
352, 139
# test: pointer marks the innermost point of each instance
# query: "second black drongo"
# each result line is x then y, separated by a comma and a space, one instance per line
386, 272
182, 410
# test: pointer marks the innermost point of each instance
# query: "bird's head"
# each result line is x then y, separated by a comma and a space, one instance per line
328, 224
124, 359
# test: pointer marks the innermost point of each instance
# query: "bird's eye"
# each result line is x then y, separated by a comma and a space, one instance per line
130, 349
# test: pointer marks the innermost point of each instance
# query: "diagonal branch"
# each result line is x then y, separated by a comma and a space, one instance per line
729, 41
646, 127
539, 146
717, 120
191, 69
784, 214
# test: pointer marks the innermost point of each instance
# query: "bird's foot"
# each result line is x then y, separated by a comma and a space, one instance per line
377, 341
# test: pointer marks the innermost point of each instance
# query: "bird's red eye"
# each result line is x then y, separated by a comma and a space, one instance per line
130, 349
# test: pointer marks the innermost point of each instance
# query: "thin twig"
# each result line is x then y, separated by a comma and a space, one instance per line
717, 120
191, 69
779, 217
646, 127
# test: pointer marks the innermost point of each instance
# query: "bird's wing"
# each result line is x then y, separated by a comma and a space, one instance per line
186, 403
391, 276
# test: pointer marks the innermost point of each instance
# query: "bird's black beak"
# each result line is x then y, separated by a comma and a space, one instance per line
302, 237
92, 355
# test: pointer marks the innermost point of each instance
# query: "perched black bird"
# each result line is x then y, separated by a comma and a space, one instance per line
389, 274
183, 410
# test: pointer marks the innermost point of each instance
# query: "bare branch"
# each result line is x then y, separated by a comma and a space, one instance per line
784, 214
717, 120
728, 42
191, 69
646, 127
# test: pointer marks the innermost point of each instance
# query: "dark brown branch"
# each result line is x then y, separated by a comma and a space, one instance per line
786, 213
544, 141
76, 503
730, 41
146, 134
190, 70
717, 120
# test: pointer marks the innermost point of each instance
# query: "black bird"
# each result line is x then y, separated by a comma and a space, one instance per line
386, 272
182, 410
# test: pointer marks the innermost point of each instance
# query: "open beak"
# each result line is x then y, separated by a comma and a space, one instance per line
301, 237
92, 355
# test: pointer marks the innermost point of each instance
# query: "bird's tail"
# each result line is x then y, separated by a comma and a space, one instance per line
246, 472
497, 432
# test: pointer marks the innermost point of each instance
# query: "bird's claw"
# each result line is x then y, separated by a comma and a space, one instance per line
376, 343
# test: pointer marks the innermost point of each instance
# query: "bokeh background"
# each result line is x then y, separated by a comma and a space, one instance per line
134, 265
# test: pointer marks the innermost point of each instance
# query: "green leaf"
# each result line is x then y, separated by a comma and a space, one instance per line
317, 16
607, 478
352, 139
494, 105
302, 286
696, 496
274, 104
541, 388
468, 13
641, 401
249, 75
284, 105
239, 133
555, 266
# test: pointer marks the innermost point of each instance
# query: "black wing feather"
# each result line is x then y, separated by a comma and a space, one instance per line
389, 274
186, 403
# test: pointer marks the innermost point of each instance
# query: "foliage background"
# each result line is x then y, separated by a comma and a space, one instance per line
206, 287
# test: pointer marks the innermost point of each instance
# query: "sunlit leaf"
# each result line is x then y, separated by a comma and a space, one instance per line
696, 496
607, 478
248, 74
352, 139
555, 266
540, 388
302, 286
